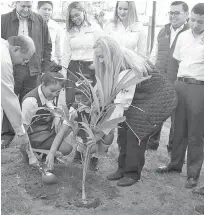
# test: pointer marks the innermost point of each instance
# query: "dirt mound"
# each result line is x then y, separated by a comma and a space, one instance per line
68, 189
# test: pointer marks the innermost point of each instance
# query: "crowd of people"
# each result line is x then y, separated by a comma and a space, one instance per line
35, 67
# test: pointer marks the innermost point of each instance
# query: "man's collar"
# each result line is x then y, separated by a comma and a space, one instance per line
15, 15
177, 29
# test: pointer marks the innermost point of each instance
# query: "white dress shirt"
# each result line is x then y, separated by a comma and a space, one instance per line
55, 31
78, 44
132, 37
154, 52
9, 100
23, 26
190, 52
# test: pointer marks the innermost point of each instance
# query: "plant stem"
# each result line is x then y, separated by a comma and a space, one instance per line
85, 166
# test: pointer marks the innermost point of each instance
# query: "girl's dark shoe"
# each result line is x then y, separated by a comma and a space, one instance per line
77, 158
93, 165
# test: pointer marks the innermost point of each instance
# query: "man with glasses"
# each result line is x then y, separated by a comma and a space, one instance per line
189, 114
162, 55
23, 21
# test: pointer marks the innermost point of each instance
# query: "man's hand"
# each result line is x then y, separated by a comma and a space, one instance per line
50, 160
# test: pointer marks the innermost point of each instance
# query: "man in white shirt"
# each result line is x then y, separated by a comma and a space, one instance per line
45, 9
16, 50
189, 114
162, 55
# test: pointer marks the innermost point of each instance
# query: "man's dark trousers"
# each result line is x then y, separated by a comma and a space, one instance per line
189, 125
153, 142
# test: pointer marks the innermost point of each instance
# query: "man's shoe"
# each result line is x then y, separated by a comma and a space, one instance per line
126, 181
190, 183
166, 169
115, 176
93, 165
199, 191
199, 209
77, 158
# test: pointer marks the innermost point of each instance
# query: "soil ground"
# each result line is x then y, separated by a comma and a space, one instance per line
23, 192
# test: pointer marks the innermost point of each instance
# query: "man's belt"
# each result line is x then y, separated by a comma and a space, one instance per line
190, 80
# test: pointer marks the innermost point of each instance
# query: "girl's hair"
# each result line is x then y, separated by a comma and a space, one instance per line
53, 76
41, 3
117, 59
132, 13
78, 6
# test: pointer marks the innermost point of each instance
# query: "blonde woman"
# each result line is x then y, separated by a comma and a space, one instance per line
145, 106
125, 27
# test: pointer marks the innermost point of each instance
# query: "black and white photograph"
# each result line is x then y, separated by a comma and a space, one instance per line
102, 107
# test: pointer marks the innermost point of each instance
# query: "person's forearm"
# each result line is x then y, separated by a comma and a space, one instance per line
58, 52
59, 137
11, 107
66, 52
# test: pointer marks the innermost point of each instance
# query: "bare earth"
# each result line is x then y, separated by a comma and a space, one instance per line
23, 192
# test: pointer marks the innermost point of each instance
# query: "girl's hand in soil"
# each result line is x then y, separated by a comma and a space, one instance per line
50, 160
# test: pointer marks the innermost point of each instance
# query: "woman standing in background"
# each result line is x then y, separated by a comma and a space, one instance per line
78, 54
45, 9
78, 47
125, 27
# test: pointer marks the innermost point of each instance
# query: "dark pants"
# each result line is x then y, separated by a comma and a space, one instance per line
76, 67
188, 129
132, 155
153, 142
24, 83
